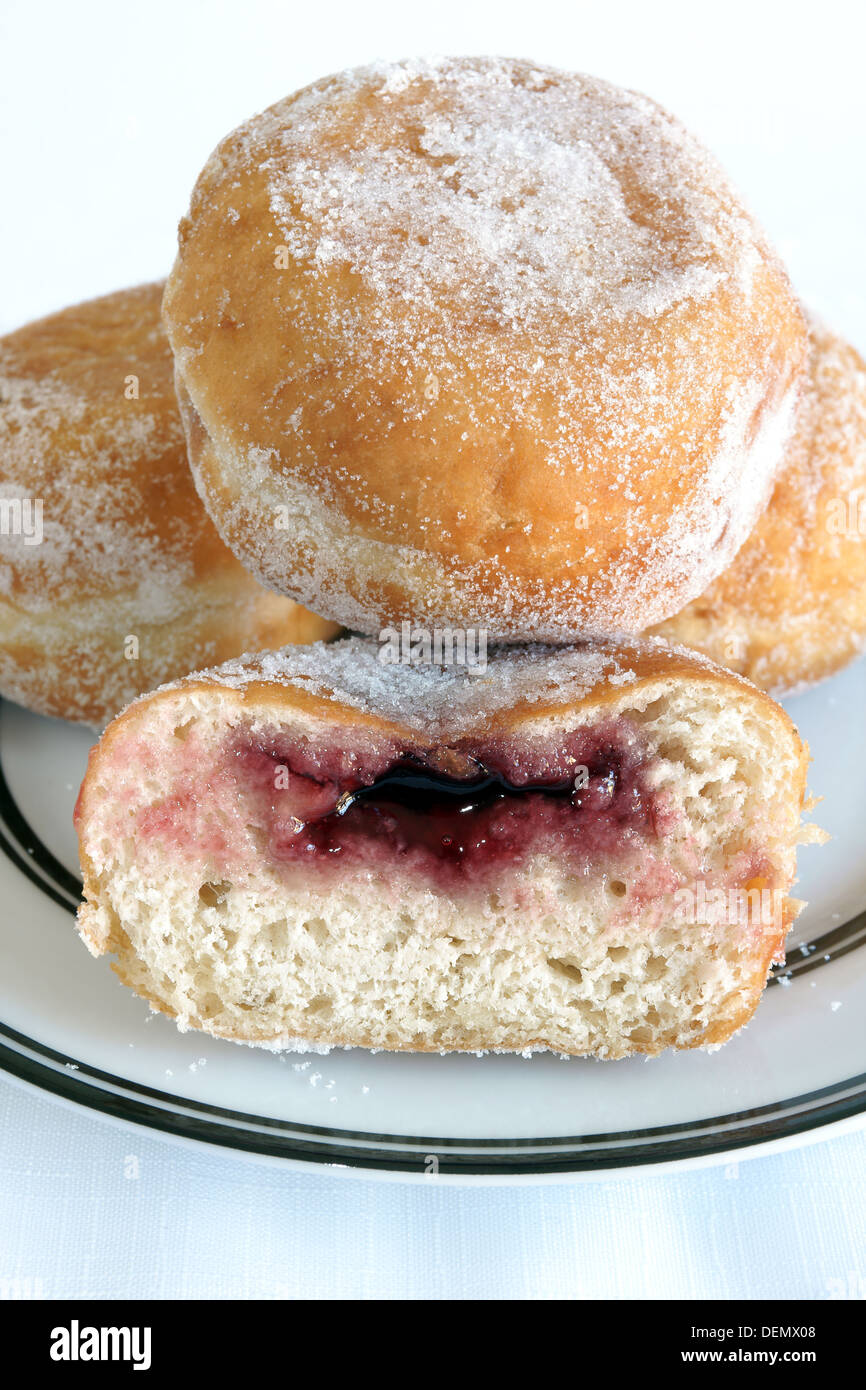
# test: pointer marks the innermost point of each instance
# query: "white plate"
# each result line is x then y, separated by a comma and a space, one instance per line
68, 1026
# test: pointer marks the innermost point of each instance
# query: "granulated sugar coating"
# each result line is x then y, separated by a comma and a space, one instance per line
480, 342
85, 408
435, 699
496, 180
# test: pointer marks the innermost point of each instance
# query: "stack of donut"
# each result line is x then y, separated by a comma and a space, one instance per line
475, 344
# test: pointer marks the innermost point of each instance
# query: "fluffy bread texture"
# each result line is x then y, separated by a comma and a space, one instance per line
129, 584
583, 957
791, 609
483, 343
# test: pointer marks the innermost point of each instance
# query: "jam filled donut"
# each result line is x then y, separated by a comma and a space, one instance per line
791, 609
584, 848
479, 342
112, 576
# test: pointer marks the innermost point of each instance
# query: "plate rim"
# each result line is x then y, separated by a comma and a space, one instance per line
295, 1142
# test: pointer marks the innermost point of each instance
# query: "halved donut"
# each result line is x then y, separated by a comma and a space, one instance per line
588, 849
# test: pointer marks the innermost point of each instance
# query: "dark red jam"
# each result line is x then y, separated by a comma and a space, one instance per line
590, 797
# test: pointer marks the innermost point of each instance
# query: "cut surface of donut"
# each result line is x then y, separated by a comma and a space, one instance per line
587, 849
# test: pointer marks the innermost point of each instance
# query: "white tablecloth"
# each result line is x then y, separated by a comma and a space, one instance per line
93, 1210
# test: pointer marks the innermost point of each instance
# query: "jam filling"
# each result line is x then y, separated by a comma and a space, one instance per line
590, 798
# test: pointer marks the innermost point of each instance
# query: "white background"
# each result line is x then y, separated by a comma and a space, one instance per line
107, 112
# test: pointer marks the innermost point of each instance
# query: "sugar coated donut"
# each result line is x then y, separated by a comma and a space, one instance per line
791, 609
479, 342
112, 576
584, 848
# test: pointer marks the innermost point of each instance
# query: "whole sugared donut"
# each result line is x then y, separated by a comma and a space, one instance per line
791, 609
112, 576
478, 342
